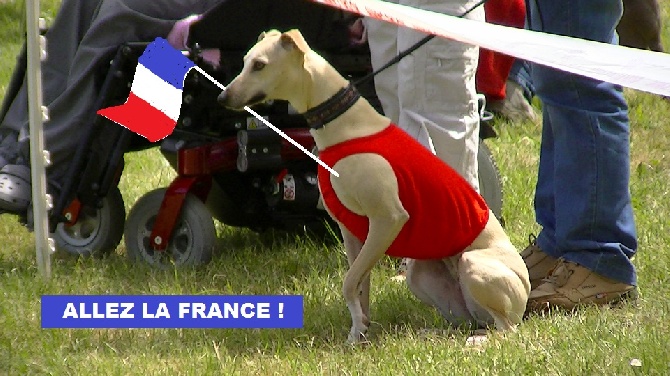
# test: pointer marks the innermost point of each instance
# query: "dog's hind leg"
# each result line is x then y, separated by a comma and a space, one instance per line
435, 283
491, 288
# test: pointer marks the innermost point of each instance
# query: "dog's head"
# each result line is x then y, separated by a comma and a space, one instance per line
270, 68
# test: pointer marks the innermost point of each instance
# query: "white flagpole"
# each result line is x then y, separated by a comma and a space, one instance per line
39, 158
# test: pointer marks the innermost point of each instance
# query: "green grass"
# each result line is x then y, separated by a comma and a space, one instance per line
589, 341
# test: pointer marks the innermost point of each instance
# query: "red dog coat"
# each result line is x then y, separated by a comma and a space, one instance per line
445, 213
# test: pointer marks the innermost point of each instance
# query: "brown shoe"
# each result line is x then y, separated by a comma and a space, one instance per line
539, 264
570, 285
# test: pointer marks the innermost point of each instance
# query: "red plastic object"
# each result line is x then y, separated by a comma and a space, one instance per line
71, 213
195, 169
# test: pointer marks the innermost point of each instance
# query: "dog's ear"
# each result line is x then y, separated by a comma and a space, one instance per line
294, 39
266, 33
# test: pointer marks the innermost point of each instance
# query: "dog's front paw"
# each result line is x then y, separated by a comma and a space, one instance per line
357, 335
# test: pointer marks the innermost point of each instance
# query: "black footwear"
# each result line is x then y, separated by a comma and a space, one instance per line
15, 189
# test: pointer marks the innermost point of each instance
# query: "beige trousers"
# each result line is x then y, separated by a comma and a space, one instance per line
431, 93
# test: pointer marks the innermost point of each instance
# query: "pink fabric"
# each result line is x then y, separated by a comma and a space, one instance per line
179, 33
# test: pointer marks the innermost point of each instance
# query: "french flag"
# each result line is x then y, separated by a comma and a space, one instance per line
154, 103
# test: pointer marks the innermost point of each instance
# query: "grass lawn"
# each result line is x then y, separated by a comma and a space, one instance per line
586, 342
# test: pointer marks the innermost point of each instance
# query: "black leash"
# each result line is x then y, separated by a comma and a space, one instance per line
413, 48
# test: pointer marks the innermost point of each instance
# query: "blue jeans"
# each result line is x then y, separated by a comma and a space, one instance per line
520, 73
582, 198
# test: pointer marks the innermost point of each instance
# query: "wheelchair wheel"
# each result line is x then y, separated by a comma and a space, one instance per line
98, 230
490, 184
192, 241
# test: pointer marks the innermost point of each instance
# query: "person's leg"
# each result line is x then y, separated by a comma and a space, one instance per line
438, 102
81, 39
78, 41
520, 74
450, 85
504, 95
116, 22
383, 42
9, 147
582, 198
63, 38
494, 68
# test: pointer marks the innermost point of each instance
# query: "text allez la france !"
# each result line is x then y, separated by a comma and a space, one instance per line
189, 310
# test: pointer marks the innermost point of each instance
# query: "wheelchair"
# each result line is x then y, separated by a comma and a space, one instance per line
229, 166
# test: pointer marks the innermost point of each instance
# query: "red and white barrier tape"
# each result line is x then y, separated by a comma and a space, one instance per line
638, 69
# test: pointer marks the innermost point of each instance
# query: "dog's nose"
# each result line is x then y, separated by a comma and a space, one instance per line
222, 98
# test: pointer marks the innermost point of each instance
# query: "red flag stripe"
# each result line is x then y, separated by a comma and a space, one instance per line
140, 117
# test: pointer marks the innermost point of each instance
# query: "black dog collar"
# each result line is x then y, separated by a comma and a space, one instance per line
333, 107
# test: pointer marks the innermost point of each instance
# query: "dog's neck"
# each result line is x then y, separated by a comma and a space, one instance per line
319, 82
333, 107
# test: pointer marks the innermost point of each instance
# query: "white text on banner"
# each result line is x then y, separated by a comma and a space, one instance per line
172, 311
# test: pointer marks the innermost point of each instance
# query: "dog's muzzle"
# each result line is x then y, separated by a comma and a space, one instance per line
258, 98
223, 98
227, 100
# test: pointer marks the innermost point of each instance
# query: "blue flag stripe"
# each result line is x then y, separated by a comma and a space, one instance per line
166, 62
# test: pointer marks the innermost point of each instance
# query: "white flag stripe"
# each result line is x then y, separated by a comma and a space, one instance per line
157, 92
634, 68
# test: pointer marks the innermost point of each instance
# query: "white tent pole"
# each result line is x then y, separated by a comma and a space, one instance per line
39, 158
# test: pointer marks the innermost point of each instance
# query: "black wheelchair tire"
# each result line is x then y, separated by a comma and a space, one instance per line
97, 232
191, 244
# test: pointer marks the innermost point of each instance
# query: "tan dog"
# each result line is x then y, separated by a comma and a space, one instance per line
487, 283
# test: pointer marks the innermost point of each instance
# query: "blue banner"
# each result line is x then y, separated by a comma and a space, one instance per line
172, 311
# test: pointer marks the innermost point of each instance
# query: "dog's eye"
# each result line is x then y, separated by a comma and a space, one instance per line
258, 65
